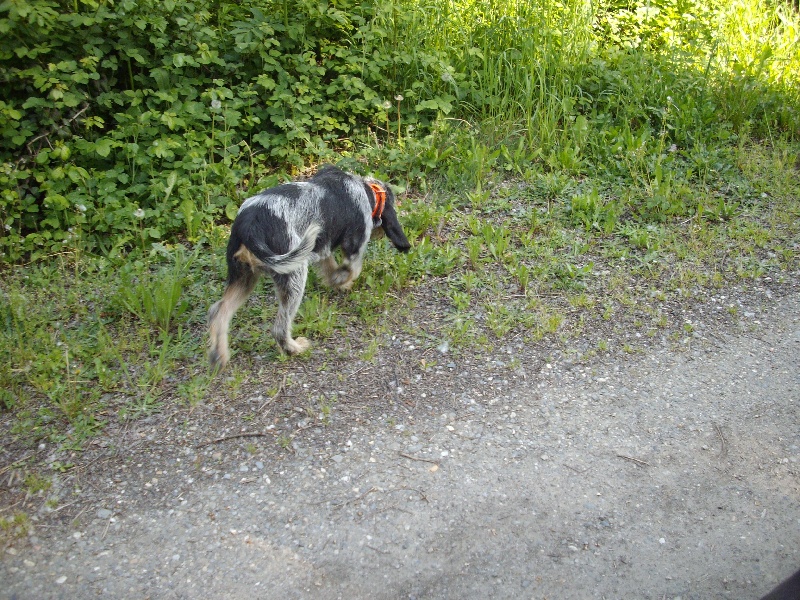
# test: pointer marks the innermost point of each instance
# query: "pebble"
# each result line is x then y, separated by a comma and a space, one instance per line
61, 579
104, 513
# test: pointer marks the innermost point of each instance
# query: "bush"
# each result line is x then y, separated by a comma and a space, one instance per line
127, 122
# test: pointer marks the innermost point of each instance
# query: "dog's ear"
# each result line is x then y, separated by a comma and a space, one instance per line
392, 227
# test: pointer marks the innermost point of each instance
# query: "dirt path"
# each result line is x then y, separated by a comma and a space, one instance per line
661, 475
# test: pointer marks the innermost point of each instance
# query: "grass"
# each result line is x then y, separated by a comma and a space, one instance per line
87, 341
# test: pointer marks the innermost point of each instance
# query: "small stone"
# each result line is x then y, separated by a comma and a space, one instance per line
11, 551
104, 513
337, 458
61, 579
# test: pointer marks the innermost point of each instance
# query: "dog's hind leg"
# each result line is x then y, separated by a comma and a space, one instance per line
290, 290
221, 313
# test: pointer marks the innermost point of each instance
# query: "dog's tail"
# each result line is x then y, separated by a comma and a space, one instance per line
260, 256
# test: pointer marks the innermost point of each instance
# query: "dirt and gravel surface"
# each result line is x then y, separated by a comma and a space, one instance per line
526, 472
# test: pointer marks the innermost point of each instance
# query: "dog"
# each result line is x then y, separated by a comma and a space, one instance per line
281, 230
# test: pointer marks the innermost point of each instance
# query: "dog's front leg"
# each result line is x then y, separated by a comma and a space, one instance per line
290, 290
345, 275
327, 267
341, 276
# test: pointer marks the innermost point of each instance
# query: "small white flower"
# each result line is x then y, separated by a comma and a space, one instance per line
139, 213
387, 105
399, 97
673, 148
81, 208
216, 103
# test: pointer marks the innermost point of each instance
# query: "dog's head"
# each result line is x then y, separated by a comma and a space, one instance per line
386, 220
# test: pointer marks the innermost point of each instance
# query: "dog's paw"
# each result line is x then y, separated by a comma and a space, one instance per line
217, 359
297, 346
346, 286
342, 278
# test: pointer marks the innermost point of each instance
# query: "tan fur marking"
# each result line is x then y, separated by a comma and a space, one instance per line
243, 255
220, 317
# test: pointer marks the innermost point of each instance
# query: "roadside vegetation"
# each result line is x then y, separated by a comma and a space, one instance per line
561, 166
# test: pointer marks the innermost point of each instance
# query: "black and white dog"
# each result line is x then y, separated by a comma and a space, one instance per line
283, 229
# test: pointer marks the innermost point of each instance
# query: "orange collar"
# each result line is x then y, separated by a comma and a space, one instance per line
380, 200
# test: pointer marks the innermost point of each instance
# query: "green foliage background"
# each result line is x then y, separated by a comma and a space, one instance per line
126, 122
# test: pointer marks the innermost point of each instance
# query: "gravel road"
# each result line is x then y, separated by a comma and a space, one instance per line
670, 473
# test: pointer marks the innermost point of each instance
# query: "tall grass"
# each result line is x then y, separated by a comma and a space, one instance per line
535, 67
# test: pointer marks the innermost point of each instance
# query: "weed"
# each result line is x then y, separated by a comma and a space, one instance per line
157, 299
592, 212
18, 526
497, 239
194, 390
474, 249
35, 483
368, 354
316, 316
326, 409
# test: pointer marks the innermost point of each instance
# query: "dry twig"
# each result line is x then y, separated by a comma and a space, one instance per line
15, 463
231, 437
724, 448
427, 460
636, 460
275, 397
